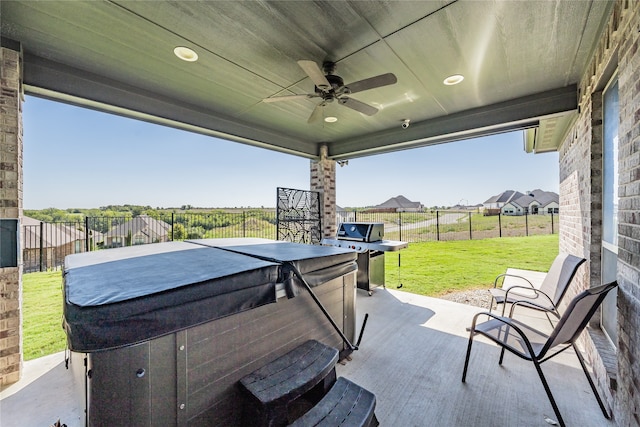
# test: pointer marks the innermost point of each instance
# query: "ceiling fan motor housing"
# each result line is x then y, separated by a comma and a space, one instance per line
336, 84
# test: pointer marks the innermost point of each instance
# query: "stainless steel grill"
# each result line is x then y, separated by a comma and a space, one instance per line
368, 240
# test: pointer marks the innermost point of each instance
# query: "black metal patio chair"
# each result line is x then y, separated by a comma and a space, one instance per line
538, 347
551, 291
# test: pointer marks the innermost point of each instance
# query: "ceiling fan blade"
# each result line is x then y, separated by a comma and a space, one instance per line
359, 106
372, 83
288, 97
316, 115
315, 74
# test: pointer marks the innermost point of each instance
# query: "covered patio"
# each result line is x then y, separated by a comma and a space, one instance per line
564, 72
411, 357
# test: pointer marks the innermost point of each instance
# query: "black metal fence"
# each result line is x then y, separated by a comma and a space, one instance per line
44, 245
453, 225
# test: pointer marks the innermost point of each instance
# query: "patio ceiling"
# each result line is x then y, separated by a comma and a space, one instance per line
521, 62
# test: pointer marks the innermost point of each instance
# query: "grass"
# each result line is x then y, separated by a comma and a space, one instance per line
42, 314
429, 268
438, 268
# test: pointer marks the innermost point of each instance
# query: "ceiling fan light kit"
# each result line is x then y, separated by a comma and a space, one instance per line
330, 87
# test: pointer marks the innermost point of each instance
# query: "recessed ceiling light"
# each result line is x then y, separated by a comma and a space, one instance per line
330, 119
185, 54
453, 80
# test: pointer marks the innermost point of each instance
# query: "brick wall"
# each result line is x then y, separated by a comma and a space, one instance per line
628, 403
581, 204
323, 179
10, 207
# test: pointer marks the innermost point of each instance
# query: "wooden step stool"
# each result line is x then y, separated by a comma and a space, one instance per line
346, 404
271, 388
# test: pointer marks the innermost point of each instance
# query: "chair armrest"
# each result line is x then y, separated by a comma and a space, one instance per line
525, 301
503, 275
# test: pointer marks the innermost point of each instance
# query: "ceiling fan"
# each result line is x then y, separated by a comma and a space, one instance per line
330, 87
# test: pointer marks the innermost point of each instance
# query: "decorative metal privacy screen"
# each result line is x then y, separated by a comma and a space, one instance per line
298, 216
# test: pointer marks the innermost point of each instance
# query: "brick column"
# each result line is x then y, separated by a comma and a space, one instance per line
323, 180
10, 207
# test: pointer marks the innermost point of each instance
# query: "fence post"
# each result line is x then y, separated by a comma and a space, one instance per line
400, 226
41, 242
86, 234
437, 225
500, 224
470, 237
551, 222
244, 224
526, 223
173, 230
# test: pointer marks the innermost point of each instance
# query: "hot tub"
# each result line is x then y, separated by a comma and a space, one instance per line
166, 330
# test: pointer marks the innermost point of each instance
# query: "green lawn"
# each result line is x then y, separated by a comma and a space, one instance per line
42, 314
437, 268
429, 268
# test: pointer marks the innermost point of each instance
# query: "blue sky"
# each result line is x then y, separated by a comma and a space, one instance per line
80, 158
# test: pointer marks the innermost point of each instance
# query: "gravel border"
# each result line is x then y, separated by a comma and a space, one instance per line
475, 297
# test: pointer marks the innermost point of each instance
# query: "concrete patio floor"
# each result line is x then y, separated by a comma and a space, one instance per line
411, 357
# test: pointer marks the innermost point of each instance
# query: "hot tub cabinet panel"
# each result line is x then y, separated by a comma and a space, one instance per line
189, 377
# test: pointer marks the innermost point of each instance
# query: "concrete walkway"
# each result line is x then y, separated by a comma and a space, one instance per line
44, 395
411, 357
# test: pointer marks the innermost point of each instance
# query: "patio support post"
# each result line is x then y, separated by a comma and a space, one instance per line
11, 208
323, 180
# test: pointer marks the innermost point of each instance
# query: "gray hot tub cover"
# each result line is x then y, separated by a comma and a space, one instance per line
123, 296
318, 264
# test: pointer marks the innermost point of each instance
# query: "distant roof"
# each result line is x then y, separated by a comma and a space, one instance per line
543, 198
140, 224
505, 197
547, 197
399, 202
53, 234
523, 201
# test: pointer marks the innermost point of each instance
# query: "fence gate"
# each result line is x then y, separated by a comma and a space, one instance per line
298, 216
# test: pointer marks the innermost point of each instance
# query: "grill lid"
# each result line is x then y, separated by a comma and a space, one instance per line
361, 231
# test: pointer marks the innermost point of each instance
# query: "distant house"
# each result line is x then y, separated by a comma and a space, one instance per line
536, 202
140, 230
44, 245
398, 204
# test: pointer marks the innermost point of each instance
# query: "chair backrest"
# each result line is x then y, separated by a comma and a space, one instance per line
575, 318
562, 271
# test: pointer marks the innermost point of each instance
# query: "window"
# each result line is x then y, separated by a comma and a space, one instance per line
611, 116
